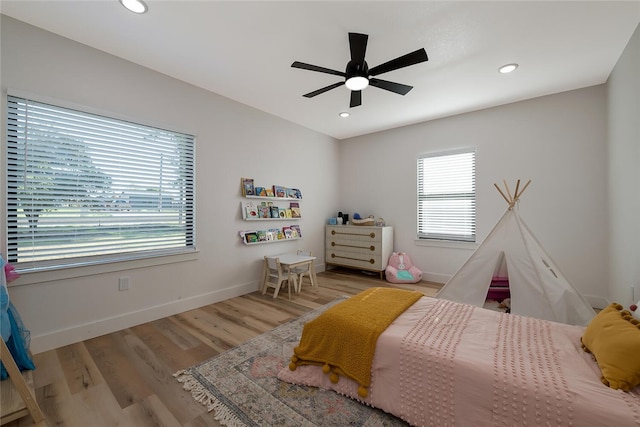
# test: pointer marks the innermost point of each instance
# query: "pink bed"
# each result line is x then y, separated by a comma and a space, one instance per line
444, 363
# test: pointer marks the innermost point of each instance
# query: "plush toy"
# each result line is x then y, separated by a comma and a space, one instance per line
401, 270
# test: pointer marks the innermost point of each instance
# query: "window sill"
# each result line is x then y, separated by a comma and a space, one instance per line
62, 273
446, 244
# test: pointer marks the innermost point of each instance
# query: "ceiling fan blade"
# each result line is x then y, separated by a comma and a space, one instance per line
356, 98
412, 58
323, 90
390, 86
358, 46
310, 67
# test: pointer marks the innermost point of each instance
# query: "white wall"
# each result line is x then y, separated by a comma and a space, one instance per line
557, 141
624, 174
233, 141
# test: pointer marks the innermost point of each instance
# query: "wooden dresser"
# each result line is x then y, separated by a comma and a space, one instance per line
360, 247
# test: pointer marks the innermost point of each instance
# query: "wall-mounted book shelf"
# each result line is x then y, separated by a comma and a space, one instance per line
270, 210
272, 235
274, 203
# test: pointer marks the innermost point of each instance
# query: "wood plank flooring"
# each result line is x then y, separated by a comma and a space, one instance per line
126, 378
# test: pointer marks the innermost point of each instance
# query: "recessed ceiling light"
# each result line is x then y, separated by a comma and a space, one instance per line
344, 114
508, 68
135, 6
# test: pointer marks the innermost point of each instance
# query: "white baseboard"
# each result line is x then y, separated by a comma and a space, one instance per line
60, 338
435, 277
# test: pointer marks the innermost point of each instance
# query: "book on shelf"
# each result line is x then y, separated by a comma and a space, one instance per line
274, 233
275, 212
269, 192
287, 232
294, 233
262, 235
294, 193
279, 191
247, 187
261, 191
264, 211
251, 236
251, 211
296, 227
294, 205
283, 213
288, 213
295, 213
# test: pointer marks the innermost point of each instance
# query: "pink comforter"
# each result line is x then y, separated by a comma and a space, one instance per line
444, 363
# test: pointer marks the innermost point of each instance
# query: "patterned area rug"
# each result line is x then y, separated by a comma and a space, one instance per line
242, 388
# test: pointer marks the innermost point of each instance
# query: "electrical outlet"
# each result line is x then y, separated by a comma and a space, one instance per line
123, 284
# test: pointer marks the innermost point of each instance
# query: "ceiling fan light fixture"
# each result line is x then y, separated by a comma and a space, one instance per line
135, 6
357, 83
508, 68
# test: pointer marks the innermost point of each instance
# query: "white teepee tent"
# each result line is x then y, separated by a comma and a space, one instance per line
537, 287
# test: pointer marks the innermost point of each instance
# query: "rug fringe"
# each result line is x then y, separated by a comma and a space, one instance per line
200, 394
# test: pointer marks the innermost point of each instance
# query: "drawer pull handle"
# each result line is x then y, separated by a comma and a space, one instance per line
371, 248
372, 234
371, 261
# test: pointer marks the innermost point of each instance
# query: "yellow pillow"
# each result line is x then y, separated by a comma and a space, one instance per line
613, 337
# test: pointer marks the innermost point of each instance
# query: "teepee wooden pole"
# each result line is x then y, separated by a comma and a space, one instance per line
524, 188
501, 193
506, 187
516, 195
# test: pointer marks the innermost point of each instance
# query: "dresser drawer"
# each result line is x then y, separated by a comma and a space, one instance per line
366, 248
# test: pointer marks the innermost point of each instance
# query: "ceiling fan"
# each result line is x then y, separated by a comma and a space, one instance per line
358, 75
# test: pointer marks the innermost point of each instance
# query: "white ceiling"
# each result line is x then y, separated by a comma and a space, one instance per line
244, 50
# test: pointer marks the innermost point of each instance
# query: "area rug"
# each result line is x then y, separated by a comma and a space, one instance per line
241, 387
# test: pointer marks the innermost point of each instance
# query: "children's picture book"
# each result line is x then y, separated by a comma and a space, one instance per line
275, 233
294, 233
262, 235
283, 213
247, 187
264, 211
270, 192
288, 213
296, 227
275, 212
295, 213
251, 236
261, 191
287, 232
279, 191
251, 211
294, 193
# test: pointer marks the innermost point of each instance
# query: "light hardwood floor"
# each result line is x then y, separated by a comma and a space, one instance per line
126, 378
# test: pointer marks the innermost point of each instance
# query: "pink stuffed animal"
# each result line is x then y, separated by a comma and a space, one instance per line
401, 270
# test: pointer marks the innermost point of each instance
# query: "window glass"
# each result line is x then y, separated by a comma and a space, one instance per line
83, 188
447, 196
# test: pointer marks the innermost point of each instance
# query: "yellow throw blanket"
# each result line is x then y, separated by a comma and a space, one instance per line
343, 338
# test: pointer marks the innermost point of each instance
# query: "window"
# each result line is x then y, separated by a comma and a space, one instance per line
447, 196
83, 188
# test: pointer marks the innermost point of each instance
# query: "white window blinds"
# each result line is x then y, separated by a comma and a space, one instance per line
85, 188
447, 196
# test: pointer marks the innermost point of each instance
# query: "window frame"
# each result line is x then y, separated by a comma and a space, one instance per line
455, 233
117, 260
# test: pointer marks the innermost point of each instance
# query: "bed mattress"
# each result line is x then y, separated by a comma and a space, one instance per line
445, 363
